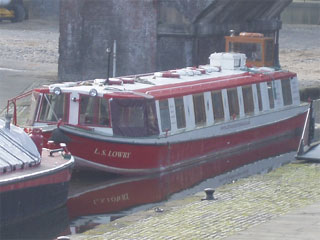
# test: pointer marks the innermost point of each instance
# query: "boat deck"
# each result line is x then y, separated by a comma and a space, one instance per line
49, 165
17, 150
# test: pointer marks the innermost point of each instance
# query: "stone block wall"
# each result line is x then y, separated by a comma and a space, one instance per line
88, 28
43, 8
153, 35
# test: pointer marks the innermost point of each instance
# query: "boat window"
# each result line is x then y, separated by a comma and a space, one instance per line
217, 105
53, 107
286, 92
259, 96
253, 51
24, 107
94, 111
104, 115
233, 102
165, 115
34, 106
134, 118
180, 114
271, 94
199, 109
248, 100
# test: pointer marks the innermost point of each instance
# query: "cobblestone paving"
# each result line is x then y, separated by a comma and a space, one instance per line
238, 206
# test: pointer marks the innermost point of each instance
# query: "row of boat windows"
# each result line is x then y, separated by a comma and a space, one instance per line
218, 106
93, 110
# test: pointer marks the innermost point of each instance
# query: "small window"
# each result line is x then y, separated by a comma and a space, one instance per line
165, 115
104, 115
180, 114
271, 94
248, 100
94, 111
233, 103
88, 107
259, 96
286, 92
134, 117
217, 105
253, 51
199, 109
53, 107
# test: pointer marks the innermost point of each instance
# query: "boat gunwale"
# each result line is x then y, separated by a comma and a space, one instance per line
164, 140
33, 172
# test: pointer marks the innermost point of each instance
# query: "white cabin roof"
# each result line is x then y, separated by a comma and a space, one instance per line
223, 69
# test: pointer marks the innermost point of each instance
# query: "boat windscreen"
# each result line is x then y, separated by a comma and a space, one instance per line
134, 118
53, 107
24, 107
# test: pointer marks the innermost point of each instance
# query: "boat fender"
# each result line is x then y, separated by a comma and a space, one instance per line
37, 137
167, 75
115, 81
127, 80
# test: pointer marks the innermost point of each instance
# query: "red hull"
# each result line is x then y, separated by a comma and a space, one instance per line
129, 158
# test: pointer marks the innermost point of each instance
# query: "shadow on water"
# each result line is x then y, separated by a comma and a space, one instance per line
96, 198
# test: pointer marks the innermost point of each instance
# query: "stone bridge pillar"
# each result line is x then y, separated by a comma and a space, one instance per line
153, 35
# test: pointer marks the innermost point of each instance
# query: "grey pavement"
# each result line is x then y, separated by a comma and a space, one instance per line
16, 78
302, 224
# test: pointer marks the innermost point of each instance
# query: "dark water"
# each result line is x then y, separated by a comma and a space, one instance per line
97, 198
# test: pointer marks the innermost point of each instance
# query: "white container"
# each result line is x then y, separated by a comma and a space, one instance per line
228, 61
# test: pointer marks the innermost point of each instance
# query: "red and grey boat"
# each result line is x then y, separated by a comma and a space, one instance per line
154, 122
31, 183
40, 109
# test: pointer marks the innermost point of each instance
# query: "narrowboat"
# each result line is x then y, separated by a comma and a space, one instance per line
31, 184
155, 122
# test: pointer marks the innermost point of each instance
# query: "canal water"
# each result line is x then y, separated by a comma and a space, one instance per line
96, 198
